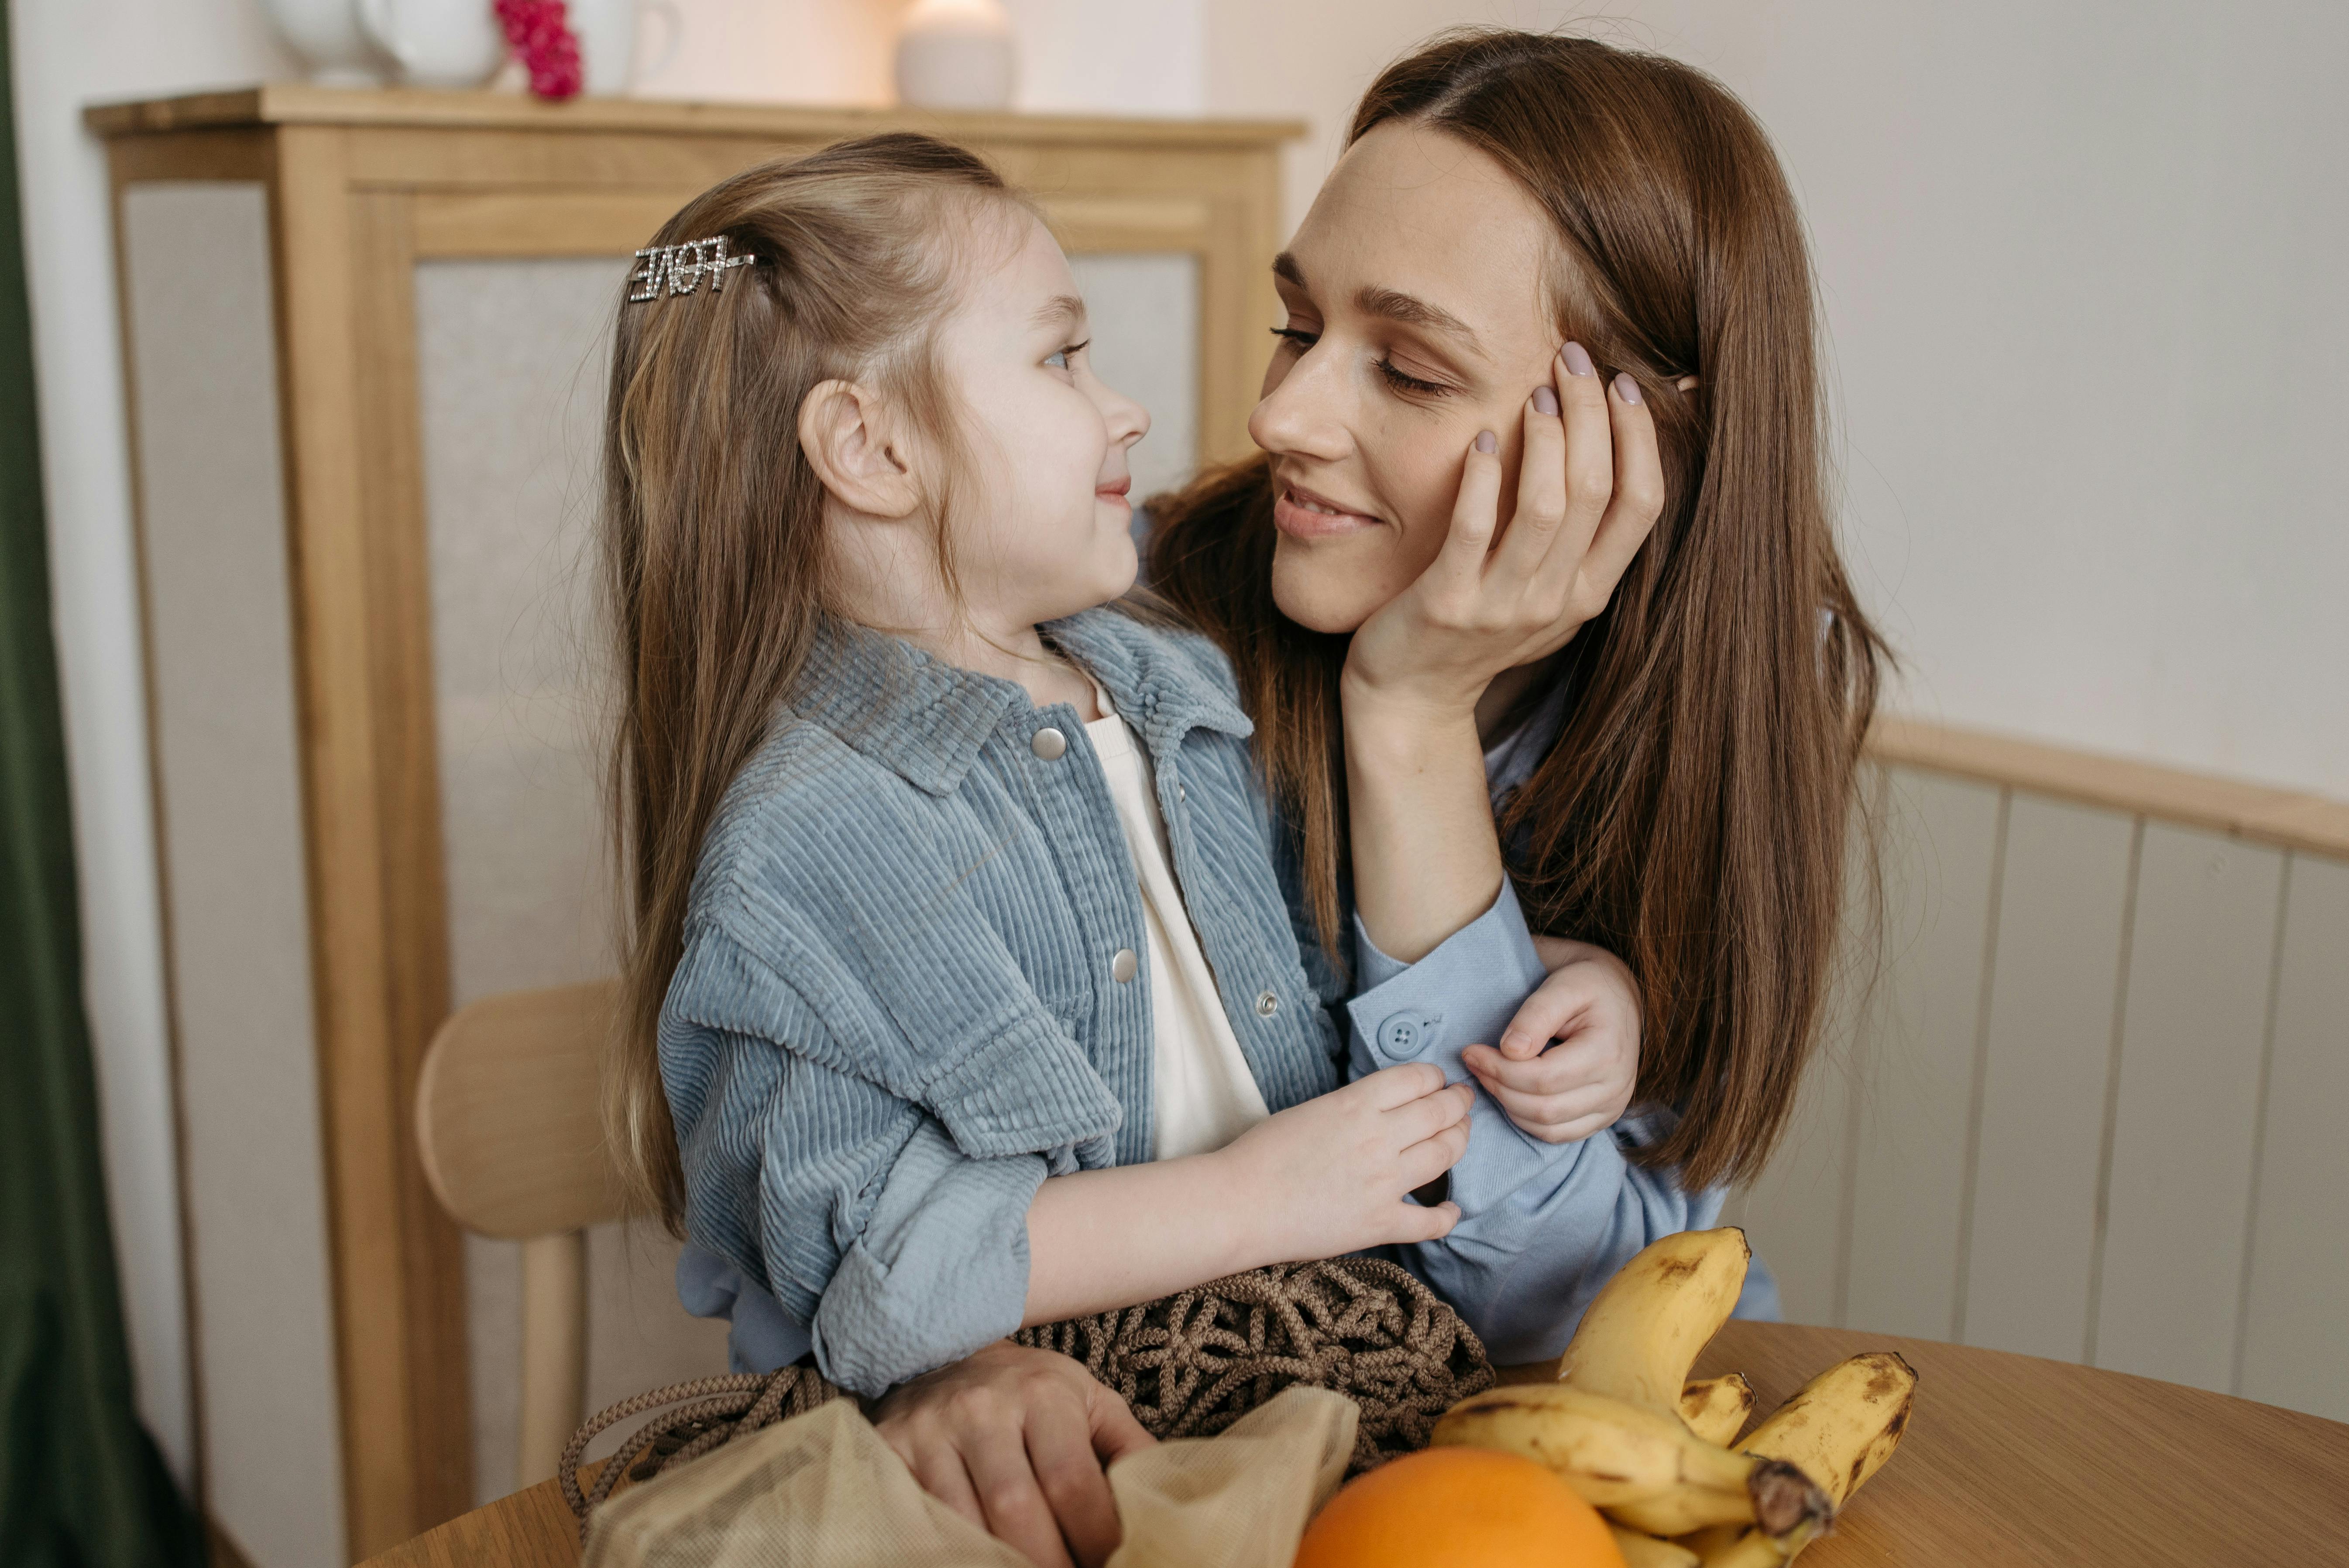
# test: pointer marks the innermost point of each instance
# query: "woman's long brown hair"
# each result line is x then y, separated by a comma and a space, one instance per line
712, 527
1695, 813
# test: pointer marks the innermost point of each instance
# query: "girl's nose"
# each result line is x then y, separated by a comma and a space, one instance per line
1129, 421
1303, 412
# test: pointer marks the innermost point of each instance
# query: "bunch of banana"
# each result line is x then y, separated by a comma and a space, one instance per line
1625, 1427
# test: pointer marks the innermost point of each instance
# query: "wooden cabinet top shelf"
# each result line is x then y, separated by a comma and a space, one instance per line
298, 103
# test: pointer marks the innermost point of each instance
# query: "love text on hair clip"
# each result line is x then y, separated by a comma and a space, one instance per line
681, 268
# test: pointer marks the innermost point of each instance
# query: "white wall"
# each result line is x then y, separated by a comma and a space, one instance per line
2082, 271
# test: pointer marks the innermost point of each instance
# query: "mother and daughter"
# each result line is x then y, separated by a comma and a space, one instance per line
1443, 854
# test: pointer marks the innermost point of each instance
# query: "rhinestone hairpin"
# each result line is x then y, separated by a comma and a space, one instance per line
682, 268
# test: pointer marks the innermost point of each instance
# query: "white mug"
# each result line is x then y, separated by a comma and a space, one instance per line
606, 31
437, 42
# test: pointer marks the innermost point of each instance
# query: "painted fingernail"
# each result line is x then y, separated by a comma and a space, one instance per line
1546, 401
1487, 444
1626, 389
1578, 360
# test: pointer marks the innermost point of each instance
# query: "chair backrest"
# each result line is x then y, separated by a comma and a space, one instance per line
507, 1116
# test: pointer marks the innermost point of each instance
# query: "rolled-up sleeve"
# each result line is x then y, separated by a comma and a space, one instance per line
894, 1250
1542, 1225
889, 1229
939, 1270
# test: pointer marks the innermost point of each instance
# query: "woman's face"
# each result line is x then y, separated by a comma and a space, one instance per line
1419, 315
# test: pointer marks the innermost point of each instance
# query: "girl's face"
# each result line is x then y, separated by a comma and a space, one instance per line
1419, 314
1042, 528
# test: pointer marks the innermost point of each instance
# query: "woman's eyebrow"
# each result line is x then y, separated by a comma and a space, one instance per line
1393, 305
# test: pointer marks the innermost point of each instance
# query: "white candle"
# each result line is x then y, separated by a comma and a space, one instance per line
955, 54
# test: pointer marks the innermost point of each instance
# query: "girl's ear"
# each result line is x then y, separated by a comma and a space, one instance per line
845, 432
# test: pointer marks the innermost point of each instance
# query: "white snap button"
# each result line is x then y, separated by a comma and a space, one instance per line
1182, 791
1123, 967
1048, 743
1267, 1005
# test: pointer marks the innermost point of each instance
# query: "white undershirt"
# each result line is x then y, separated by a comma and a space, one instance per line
1202, 1093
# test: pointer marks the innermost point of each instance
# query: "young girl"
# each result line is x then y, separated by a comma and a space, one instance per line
977, 999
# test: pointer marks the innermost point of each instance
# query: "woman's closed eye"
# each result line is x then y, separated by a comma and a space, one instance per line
1404, 381
1401, 380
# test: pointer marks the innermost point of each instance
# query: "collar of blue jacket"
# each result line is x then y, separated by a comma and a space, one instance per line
925, 720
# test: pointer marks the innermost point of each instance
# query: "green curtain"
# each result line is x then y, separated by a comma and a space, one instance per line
80, 1480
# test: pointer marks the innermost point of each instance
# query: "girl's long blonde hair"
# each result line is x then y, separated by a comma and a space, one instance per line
712, 528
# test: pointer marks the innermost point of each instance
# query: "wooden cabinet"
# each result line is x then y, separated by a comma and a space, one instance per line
364, 333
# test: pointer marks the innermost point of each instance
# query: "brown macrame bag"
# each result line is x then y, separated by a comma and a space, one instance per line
1190, 1365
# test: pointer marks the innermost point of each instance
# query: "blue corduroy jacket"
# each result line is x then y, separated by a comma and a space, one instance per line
898, 1009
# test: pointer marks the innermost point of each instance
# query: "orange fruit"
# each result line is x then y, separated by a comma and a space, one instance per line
1458, 1507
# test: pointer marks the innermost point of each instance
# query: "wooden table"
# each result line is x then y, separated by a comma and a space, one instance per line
2009, 1460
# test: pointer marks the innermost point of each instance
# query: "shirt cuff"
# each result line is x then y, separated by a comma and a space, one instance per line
1464, 993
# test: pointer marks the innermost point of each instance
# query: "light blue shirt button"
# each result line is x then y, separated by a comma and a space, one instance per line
1405, 1035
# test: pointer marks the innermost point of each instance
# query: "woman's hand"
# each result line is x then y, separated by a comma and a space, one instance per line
1590, 487
1331, 1175
1018, 1441
1567, 1061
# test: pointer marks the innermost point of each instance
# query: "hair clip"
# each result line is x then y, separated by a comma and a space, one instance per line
682, 268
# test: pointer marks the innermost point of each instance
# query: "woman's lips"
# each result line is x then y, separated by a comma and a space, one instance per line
1116, 491
1301, 514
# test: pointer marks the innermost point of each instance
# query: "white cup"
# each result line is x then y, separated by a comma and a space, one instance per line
437, 42
607, 31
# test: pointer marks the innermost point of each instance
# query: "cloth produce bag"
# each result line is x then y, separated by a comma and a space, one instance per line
822, 1491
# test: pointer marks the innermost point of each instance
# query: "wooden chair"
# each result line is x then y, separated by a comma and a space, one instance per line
512, 1144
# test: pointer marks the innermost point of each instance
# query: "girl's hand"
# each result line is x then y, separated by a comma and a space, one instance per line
1018, 1441
1567, 1061
1332, 1176
1590, 487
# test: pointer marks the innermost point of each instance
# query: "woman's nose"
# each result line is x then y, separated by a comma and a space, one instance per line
1302, 412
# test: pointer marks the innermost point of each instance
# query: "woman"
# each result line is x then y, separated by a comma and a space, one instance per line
1633, 722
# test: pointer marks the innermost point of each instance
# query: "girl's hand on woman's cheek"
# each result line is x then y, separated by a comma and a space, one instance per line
1569, 1060
1018, 1442
1588, 490
1333, 1175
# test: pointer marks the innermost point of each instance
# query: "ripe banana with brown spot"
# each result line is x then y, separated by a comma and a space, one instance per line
1716, 1409
1641, 1333
1643, 1551
1643, 1466
1840, 1431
